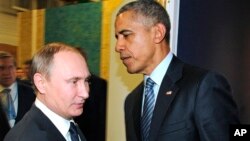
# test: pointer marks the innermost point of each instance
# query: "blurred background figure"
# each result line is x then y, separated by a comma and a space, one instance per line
20, 96
26, 71
19, 73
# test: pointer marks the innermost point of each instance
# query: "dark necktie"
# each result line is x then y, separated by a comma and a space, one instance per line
73, 132
147, 109
8, 104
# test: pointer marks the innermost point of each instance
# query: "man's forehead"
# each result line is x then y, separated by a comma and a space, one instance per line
6, 65
4, 60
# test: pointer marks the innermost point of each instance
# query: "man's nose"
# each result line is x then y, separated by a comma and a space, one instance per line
84, 90
120, 45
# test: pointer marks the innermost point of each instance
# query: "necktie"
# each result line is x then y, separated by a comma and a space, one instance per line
8, 104
147, 109
73, 132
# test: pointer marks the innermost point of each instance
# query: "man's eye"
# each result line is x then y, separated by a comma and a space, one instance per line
125, 35
74, 81
88, 80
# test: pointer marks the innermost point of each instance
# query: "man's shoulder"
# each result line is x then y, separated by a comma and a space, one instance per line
22, 130
201, 73
135, 93
194, 69
33, 126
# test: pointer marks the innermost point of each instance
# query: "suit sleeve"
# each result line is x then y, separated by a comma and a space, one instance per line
215, 108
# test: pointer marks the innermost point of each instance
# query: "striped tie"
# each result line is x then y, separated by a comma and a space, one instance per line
8, 104
73, 132
147, 109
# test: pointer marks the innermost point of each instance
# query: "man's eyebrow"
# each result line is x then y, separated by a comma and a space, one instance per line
73, 78
123, 31
78, 78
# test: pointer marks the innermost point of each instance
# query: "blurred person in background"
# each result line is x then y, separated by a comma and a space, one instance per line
19, 73
20, 96
26, 70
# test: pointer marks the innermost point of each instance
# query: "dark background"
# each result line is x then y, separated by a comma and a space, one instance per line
215, 34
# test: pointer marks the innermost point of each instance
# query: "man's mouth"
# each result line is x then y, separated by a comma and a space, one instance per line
123, 57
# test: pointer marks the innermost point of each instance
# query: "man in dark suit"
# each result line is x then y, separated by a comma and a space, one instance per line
22, 95
61, 79
187, 103
4, 124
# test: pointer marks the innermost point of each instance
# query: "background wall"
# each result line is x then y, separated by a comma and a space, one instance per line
8, 33
78, 25
8, 29
121, 84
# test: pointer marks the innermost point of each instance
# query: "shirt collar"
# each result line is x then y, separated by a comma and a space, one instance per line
13, 89
160, 71
12, 86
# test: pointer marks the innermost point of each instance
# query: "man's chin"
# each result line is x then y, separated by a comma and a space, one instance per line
131, 71
78, 113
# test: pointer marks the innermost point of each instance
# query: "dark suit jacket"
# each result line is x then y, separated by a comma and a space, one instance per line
4, 124
93, 120
26, 97
36, 126
200, 107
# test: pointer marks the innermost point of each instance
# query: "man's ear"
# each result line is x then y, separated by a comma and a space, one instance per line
160, 32
39, 82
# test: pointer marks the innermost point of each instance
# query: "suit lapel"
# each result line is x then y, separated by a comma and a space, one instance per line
167, 93
21, 104
46, 126
136, 110
4, 124
25, 100
80, 133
